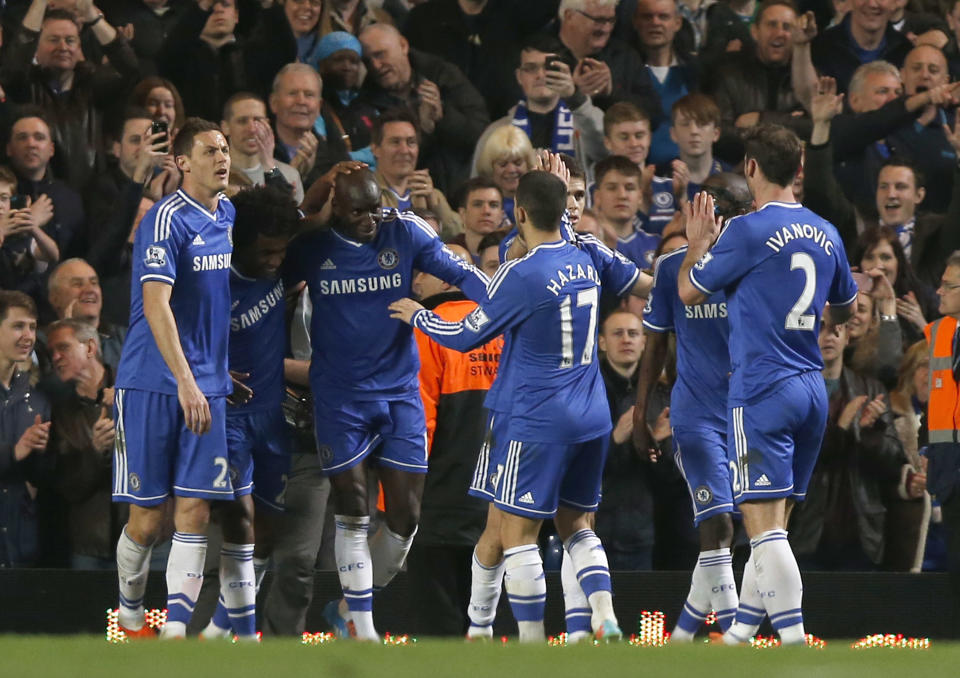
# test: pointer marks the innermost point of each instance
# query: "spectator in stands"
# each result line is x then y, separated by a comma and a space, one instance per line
252, 145
863, 35
627, 132
150, 21
450, 112
505, 155
139, 172
841, 525
24, 433
162, 101
44, 65
925, 140
340, 68
908, 400
603, 67
552, 112
81, 441
453, 386
396, 146
479, 37
879, 247
673, 74
625, 516
753, 86
302, 131
351, 16
616, 200
202, 57
874, 340
481, 213
927, 238
284, 32
489, 249
74, 293
576, 189
56, 207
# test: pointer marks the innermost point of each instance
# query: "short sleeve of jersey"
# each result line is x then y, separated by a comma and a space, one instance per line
157, 243
617, 273
843, 289
658, 315
727, 261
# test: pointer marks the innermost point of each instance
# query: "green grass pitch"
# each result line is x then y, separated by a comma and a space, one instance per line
88, 656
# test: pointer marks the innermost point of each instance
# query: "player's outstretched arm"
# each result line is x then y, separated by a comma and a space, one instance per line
651, 367
473, 331
163, 325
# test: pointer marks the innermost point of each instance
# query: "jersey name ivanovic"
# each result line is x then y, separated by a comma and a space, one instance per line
706, 311
259, 310
787, 233
373, 283
571, 272
212, 262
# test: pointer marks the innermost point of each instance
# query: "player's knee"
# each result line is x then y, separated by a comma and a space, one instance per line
145, 524
191, 515
716, 532
403, 522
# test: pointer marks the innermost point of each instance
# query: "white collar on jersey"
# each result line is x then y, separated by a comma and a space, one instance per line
791, 205
191, 201
346, 239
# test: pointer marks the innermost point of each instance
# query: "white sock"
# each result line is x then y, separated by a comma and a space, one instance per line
590, 563
356, 572
133, 565
526, 590
781, 588
712, 581
485, 586
575, 604
238, 588
388, 551
259, 569
750, 612
184, 580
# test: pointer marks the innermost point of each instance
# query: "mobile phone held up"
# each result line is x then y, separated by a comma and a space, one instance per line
160, 127
18, 202
550, 63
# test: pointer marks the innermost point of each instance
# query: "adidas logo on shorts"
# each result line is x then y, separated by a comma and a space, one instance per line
527, 498
762, 481
328, 265
198, 240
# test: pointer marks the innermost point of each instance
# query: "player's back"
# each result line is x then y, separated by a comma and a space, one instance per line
703, 353
558, 394
258, 338
783, 263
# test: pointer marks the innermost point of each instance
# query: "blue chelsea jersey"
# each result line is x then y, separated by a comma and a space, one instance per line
258, 339
358, 350
699, 396
779, 266
181, 243
547, 304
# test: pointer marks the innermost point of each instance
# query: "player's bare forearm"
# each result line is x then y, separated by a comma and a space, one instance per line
163, 325
840, 314
688, 292
642, 287
296, 371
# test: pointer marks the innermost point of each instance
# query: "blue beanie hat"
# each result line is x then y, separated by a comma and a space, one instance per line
336, 41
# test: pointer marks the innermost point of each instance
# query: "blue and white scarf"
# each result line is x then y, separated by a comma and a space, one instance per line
561, 140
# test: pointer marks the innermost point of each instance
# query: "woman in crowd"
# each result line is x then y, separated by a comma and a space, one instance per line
162, 100
505, 157
875, 340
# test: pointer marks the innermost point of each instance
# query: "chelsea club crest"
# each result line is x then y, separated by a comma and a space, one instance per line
388, 258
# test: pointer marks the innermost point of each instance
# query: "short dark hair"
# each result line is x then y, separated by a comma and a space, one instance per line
919, 179
30, 111
392, 115
129, 113
623, 111
240, 96
767, 4
777, 151
191, 128
263, 210
615, 163
544, 197
60, 15
477, 183
14, 299
540, 42
573, 166
491, 240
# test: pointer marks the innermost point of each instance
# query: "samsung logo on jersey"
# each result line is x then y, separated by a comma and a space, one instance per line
258, 310
211, 262
358, 285
706, 311
794, 231
572, 273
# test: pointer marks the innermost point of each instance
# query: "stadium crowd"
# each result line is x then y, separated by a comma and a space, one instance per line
448, 102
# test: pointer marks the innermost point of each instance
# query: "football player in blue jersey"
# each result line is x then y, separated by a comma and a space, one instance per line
778, 266
558, 425
364, 378
173, 382
257, 435
698, 415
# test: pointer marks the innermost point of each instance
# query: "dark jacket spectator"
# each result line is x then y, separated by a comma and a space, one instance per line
835, 52
151, 22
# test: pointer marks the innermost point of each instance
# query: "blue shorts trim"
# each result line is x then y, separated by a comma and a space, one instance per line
492, 456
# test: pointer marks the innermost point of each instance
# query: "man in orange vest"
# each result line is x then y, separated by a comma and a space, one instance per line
943, 416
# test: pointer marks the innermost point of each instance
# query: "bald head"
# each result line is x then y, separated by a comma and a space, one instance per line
924, 68
74, 291
730, 193
386, 53
356, 205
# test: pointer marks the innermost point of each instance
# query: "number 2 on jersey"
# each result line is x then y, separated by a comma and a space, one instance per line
798, 318
584, 298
